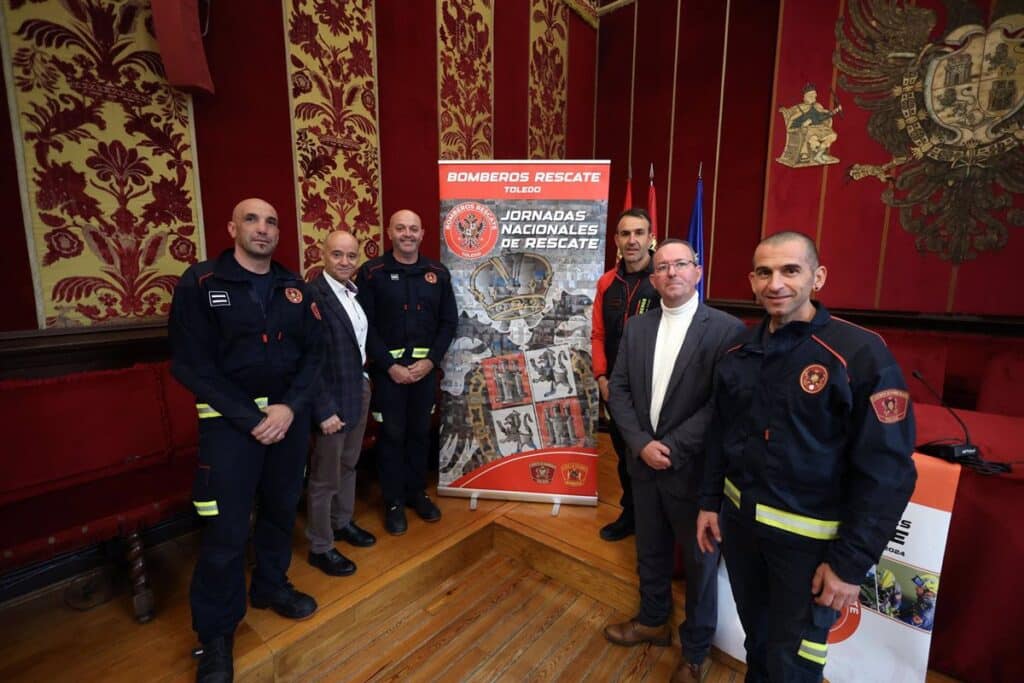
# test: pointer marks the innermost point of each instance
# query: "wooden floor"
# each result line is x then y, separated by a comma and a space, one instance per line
507, 592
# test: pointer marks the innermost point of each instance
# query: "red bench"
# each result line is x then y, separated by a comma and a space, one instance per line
91, 457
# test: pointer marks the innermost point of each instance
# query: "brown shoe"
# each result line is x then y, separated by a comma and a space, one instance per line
691, 673
631, 633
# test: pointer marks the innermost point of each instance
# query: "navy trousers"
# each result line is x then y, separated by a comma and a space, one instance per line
664, 517
404, 438
235, 471
770, 572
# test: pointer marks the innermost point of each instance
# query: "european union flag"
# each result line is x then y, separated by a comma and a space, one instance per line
696, 234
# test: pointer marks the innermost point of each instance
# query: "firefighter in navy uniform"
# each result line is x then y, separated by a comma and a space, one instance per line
410, 307
246, 340
808, 464
622, 292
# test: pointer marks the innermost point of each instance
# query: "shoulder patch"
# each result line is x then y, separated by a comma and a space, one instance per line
293, 294
430, 277
814, 378
890, 405
316, 311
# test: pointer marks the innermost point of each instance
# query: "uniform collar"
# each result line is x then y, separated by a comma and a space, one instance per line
792, 331
392, 262
228, 268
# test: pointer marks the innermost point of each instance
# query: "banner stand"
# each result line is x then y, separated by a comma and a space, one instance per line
525, 244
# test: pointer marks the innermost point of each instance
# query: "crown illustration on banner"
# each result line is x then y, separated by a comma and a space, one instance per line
512, 285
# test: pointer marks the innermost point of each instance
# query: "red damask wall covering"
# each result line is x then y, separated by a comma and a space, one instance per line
700, 93
244, 131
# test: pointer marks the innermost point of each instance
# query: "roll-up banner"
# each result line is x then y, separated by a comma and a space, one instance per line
525, 244
885, 637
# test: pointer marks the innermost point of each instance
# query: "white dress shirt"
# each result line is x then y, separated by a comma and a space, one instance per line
346, 293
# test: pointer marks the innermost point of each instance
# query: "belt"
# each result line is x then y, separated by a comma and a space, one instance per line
801, 525
205, 410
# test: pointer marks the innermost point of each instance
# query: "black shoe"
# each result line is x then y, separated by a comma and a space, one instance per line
332, 563
288, 602
619, 529
424, 507
355, 535
394, 518
216, 663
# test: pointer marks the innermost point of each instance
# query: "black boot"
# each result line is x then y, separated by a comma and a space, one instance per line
619, 529
216, 663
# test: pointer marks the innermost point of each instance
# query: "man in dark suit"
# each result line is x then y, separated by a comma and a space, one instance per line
339, 409
660, 398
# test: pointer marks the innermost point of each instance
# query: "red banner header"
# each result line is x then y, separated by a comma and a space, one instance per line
504, 180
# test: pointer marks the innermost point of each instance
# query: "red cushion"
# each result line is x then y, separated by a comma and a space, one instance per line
60, 521
1001, 385
68, 430
181, 413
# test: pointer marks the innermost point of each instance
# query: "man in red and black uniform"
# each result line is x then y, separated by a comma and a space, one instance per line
622, 292
808, 465
411, 315
246, 339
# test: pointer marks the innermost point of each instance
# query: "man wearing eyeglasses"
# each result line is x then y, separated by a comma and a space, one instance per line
659, 396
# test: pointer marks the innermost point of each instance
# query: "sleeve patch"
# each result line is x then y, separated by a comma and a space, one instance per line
316, 310
890, 405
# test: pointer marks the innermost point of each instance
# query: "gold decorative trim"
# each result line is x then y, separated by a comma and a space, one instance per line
585, 10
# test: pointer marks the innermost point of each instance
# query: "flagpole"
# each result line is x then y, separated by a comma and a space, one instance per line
695, 236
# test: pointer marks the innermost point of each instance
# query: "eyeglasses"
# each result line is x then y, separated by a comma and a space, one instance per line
663, 268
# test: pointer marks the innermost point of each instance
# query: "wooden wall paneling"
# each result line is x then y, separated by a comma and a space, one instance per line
698, 81
579, 133
734, 202
615, 60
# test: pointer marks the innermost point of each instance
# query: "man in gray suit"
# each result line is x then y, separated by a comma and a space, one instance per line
339, 409
660, 398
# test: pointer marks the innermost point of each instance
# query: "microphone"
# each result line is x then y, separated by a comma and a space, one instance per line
953, 452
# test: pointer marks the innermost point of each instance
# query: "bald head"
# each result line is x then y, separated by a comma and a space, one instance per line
405, 230
341, 255
250, 205
780, 238
254, 228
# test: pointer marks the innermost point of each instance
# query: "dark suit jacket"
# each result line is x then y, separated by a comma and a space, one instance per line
340, 387
686, 410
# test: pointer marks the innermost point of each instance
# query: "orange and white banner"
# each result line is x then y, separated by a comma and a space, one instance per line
885, 637
525, 245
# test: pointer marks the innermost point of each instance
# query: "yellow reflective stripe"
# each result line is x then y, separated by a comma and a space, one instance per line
821, 529
732, 493
205, 410
397, 353
815, 652
420, 352
206, 508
